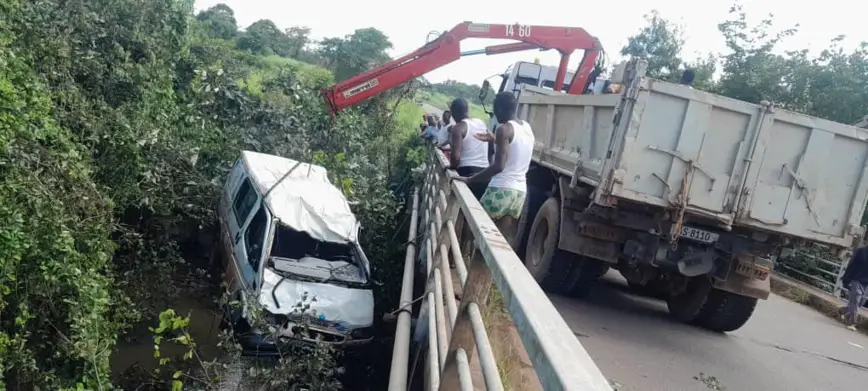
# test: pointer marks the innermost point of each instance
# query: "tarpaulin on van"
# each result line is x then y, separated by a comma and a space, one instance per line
305, 200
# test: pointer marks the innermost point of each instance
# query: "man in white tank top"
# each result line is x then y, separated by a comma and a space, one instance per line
469, 155
506, 176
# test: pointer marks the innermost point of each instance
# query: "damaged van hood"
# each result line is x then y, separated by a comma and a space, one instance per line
301, 196
347, 307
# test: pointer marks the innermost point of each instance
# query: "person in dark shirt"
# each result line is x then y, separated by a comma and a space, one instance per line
687, 77
856, 280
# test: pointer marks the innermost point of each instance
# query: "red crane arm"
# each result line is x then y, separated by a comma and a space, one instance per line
447, 48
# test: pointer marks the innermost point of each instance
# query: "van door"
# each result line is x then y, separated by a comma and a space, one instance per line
244, 199
251, 247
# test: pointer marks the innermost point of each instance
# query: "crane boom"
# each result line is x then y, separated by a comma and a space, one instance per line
447, 48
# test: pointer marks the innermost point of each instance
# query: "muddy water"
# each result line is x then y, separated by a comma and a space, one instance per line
133, 361
204, 327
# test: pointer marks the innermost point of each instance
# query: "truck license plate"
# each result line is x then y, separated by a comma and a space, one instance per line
699, 235
747, 269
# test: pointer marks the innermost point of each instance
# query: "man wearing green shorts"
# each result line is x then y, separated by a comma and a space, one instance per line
506, 175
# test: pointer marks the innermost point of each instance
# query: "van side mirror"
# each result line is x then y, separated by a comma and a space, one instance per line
483, 92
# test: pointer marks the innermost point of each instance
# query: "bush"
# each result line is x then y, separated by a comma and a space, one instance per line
118, 121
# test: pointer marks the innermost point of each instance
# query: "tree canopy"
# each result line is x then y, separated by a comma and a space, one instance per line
118, 122
832, 85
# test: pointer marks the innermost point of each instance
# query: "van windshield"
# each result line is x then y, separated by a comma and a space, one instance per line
297, 253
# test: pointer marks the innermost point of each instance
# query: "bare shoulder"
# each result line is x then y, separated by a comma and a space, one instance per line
459, 127
506, 130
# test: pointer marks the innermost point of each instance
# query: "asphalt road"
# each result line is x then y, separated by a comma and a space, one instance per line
785, 346
432, 110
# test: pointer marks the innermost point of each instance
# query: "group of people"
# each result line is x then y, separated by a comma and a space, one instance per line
493, 164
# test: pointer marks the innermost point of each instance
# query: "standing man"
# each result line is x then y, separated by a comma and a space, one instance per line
443, 135
856, 280
506, 176
469, 153
431, 129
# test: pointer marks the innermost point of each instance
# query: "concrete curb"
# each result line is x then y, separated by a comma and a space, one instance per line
817, 299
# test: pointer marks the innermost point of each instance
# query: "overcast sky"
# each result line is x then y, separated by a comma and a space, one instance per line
408, 23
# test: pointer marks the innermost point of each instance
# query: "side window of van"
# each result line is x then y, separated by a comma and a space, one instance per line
244, 201
254, 238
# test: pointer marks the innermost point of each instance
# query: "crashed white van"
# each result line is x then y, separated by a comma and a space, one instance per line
288, 234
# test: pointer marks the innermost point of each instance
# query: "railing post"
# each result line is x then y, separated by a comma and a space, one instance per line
401, 348
476, 290
839, 285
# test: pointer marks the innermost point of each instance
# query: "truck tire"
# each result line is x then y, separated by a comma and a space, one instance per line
583, 275
535, 198
686, 306
652, 289
548, 265
725, 311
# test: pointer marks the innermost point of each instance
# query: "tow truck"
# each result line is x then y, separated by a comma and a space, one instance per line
691, 195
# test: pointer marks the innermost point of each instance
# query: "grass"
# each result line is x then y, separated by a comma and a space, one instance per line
266, 68
442, 101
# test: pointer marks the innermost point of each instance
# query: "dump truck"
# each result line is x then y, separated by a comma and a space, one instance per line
690, 195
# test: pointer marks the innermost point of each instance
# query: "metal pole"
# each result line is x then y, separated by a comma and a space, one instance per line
401, 348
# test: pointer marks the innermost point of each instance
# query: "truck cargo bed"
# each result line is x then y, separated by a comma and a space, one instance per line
743, 164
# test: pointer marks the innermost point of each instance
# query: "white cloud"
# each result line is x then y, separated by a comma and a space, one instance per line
408, 23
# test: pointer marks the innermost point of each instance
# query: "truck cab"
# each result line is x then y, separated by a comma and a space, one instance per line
530, 73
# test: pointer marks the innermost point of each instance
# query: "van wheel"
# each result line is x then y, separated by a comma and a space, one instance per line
548, 265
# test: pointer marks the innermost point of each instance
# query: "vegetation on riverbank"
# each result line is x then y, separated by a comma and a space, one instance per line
119, 120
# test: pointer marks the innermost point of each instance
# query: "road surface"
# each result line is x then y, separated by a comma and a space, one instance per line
432, 110
785, 346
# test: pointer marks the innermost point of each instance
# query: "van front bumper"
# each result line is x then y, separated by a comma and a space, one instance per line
253, 344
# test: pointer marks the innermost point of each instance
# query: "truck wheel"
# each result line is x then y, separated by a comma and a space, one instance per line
725, 311
535, 198
548, 265
685, 306
651, 289
584, 274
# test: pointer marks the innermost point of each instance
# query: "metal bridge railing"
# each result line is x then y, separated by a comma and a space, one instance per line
456, 329
818, 272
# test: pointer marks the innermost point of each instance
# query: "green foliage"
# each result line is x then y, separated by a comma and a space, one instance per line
354, 53
660, 42
833, 85
118, 121
751, 71
263, 37
220, 21
457, 89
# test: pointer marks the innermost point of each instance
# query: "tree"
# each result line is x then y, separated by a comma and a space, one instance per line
298, 38
751, 71
704, 69
660, 42
220, 20
263, 37
355, 53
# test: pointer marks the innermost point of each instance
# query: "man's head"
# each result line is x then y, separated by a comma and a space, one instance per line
687, 77
432, 121
447, 115
505, 106
458, 109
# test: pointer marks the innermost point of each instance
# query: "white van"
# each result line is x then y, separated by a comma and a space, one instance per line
288, 236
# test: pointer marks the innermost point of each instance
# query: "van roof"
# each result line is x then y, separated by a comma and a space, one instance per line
305, 200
